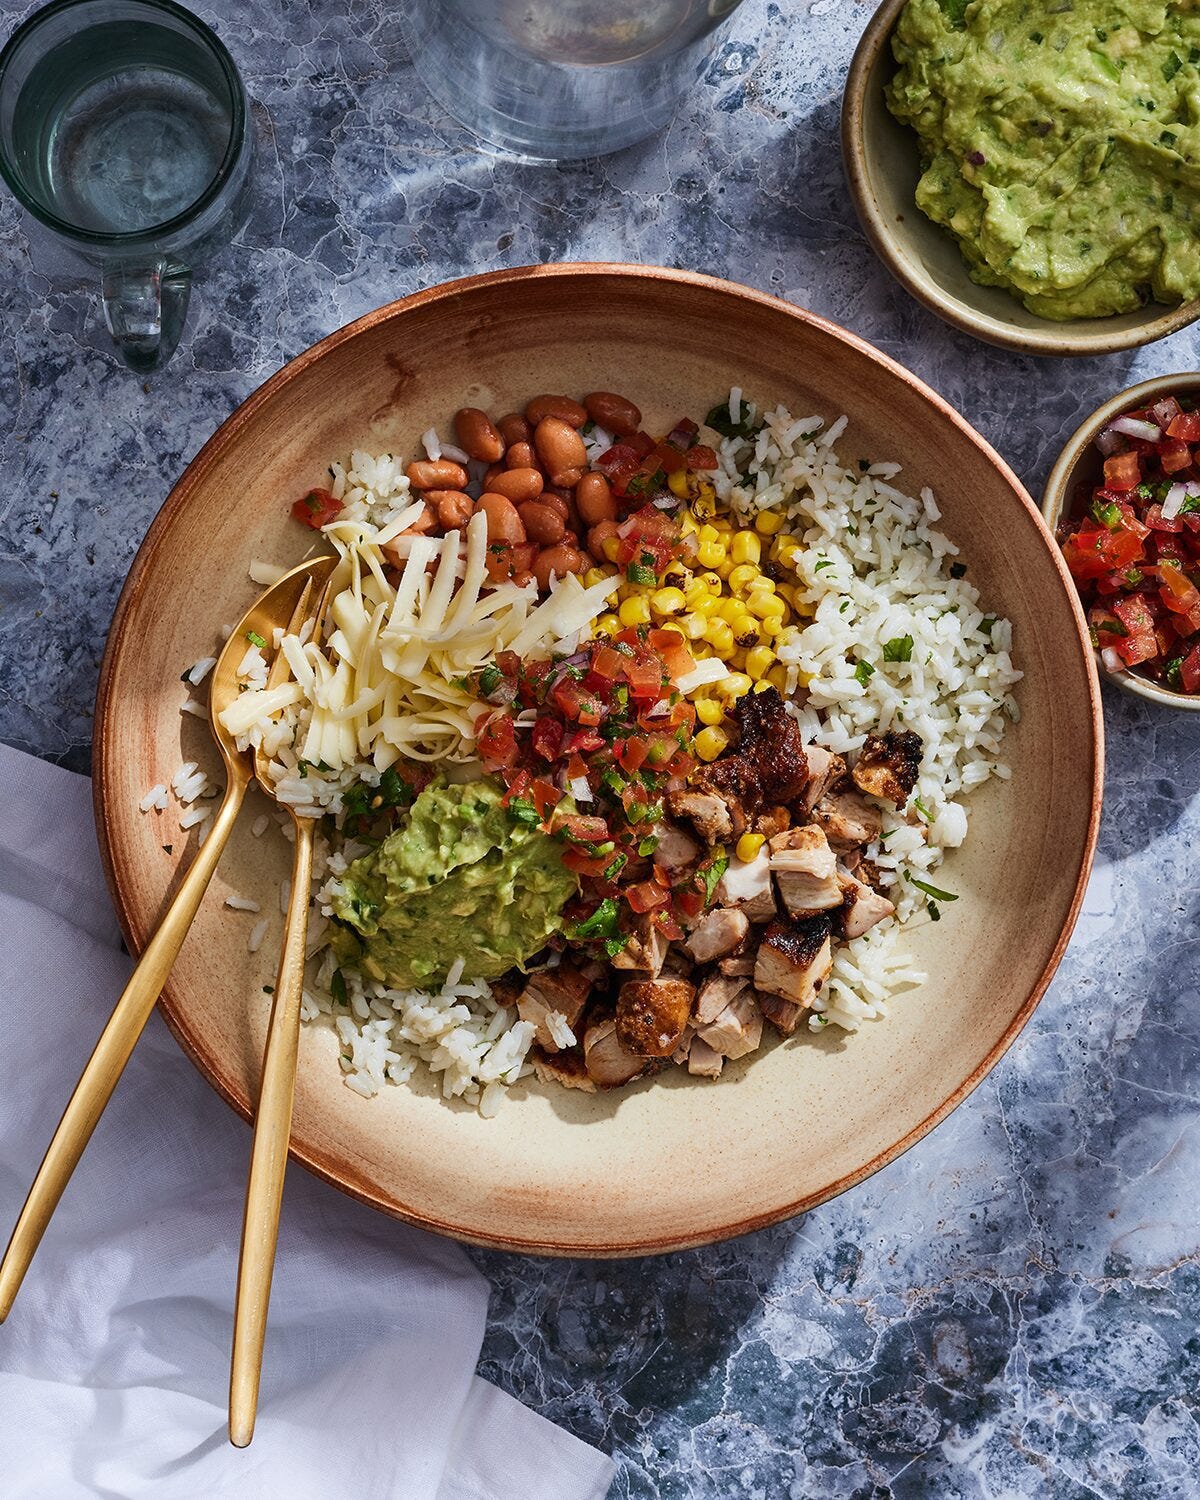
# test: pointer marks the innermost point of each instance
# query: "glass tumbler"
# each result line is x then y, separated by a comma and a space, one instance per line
124, 129
560, 79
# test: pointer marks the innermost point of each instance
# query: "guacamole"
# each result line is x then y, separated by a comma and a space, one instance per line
461, 879
1061, 145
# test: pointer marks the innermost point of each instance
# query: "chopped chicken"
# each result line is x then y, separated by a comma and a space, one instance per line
736, 782
805, 870
824, 770
652, 1015
564, 990
646, 948
889, 765
702, 1061
738, 1029
848, 819
608, 1062
676, 850
862, 908
680, 1054
718, 932
716, 993
782, 1014
705, 811
770, 740
794, 958
565, 1068
773, 820
743, 965
746, 885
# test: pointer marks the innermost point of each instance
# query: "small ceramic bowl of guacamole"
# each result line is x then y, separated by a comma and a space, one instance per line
1075, 476
1018, 214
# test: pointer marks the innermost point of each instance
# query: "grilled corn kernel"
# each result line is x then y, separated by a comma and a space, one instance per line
771, 626
733, 685
762, 686
709, 711
711, 554
719, 636
768, 522
710, 742
777, 677
759, 661
635, 611
687, 523
741, 575
786, 551
677, 483
745, 633
594, 576
610, 546
607, 625
712, 582
746, 548
722, 525
693, 625
748, 846
766, 606
762, 585
669, 601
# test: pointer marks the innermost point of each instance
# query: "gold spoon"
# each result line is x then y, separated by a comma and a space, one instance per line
274, 608
273, 1118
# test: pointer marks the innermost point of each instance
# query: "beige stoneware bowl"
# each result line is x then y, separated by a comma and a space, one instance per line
882, 161
1080, 463
678, 1162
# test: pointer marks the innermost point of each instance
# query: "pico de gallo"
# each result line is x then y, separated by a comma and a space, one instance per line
1132, 544
587, 748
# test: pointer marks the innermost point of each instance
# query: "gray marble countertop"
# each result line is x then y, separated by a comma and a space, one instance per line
1011, 1308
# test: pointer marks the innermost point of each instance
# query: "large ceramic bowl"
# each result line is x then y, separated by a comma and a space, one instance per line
663, 1164
1080, 463
882, 160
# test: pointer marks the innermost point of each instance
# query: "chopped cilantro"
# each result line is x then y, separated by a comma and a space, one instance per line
1168, 137
935, 913
922, 811
613, 945
522, 811
988, 624
601, 924
1171, 672
826, 562
168, 848
843, 606
712, 873
636, 573
930, 890
337, 988
863, 673
269, 989
490, 679
898, 649
720, 421
255, 639
612, 870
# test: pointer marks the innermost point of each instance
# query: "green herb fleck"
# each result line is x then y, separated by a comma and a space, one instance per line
255, 639
601, 924
337, 988
930, 890
636, 573
1172, 66
898, 649
712, 873
863, 673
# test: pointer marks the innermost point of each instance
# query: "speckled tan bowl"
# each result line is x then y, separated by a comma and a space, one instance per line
1079, 462
882, 163
663, 1164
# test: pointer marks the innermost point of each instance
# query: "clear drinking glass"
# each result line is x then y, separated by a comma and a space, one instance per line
559, 79
124, 129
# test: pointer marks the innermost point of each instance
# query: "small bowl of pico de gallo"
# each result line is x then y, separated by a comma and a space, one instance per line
1123, 501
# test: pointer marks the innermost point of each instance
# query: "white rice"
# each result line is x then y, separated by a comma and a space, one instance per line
241, 903
257, 933
155, 798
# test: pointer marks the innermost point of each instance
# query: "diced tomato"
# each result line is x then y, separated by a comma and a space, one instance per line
573, 701
1123, 471
660, 749
582, 742
496, 740
546, 738
1094, 550
1178, 592
1156, 521
1173, 455
1185, 426
546, 796
689, 903
701, 457
644, 673
641, 443
666, 457
646, 896
673, 649
1189, 671
1138, 644
582, 863
575, 766
582, 828
607, 663
631, 753
316, 509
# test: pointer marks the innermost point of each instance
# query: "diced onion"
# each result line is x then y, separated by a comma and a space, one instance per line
711, 669
1112, 661
1136, 427
433, 448
579, 789
1176, 495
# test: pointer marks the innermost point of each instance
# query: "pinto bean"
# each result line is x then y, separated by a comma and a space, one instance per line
594, 497
556, 503
494, 472
474, 431
514, 428
561, 407
561, 451
503, 522
518, 485
520, 456
439, 474
542, 525
560, 561
454, 509
597, 536
614, 413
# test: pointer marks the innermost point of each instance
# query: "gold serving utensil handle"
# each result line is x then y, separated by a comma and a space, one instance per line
273, 1119
285, 600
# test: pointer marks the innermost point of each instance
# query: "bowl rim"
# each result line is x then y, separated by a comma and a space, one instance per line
1057, 340
180, 495
1054, 503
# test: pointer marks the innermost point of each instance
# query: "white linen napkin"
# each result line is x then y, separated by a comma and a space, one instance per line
114, 1362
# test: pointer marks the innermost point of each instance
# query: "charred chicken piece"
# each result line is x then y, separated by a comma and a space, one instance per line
805, 870
565, 1068
746, 885
609, 1063
707, 812
772, 821
676, 849
738, 1029
770, 741
824, 770
702, 1061
889, 765
718, 932
848, 819
718, 991
652, 1015
782, 1014
742, 966
794, 958
646, 948
734, 779
862, 908
563, 989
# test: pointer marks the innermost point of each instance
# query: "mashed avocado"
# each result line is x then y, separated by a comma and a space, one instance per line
461, 879
1061, 144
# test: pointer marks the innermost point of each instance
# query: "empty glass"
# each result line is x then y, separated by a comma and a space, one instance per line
558, 79
124, 129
